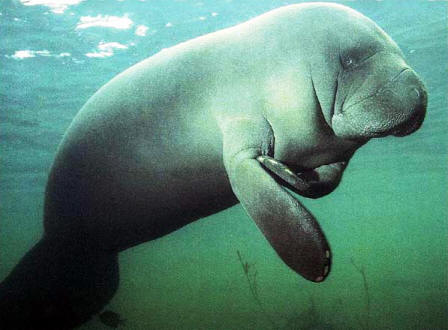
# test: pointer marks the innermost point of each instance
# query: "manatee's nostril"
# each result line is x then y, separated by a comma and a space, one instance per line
417, 92
415, 95
420, 99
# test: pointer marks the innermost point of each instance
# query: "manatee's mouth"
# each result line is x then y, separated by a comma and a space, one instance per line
409, 126
405, 128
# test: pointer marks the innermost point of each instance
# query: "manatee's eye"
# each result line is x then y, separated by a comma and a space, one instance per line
347, 61
353, 57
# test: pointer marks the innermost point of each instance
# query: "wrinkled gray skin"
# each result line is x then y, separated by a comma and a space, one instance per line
283, 100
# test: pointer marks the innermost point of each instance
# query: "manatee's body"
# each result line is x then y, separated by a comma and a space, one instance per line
148, 145
228, 117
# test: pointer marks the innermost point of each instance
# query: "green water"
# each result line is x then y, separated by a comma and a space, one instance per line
386, 223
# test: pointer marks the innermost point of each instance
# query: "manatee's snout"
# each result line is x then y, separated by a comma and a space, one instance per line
396, 107
412, 100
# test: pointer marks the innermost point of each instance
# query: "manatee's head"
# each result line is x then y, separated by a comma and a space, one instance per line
378, 95
369, 90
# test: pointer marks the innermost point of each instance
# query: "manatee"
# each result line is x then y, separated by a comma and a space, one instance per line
250, 114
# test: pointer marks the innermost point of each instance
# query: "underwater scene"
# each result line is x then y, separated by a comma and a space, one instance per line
386, 222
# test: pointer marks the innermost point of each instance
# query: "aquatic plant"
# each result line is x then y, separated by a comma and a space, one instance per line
307, 319
362, 272
312, 319
250, 272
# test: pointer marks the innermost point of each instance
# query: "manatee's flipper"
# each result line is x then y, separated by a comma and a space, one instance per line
285, 173
58, 285
288, 226
313, 183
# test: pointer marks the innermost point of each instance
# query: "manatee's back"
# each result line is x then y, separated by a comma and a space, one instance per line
142, 158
